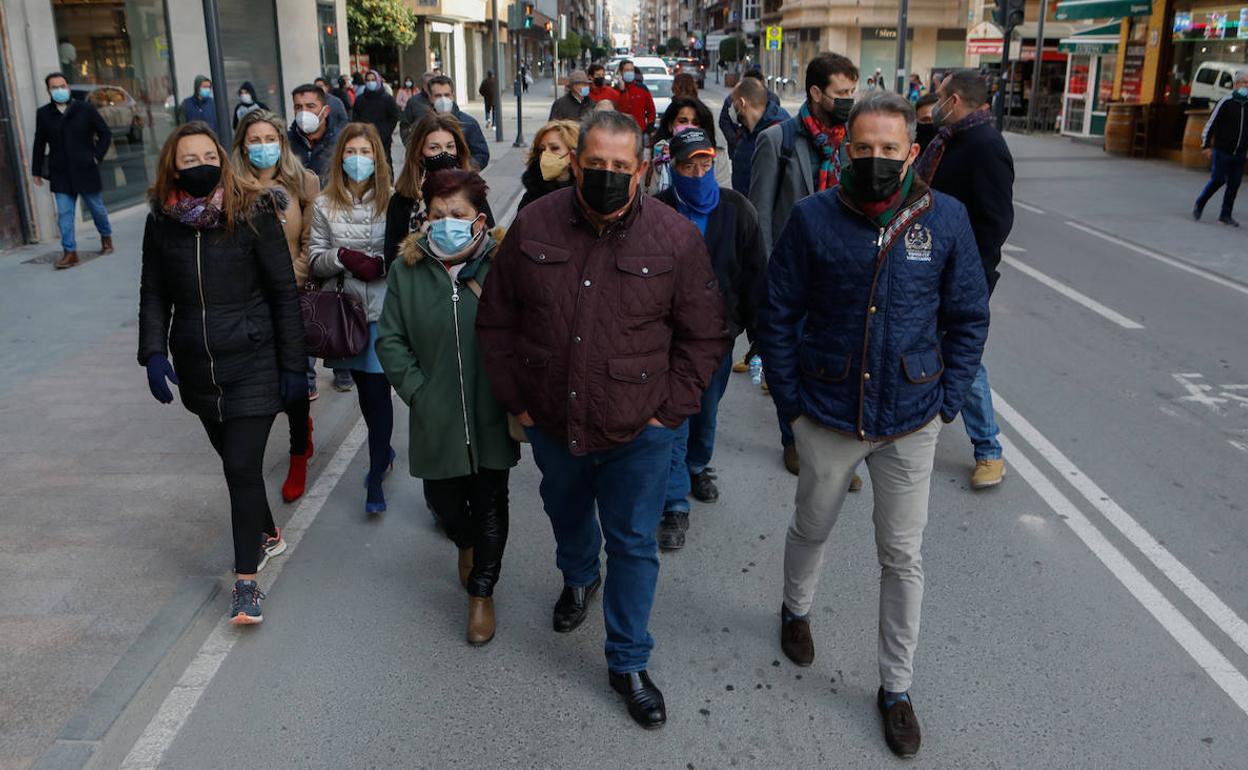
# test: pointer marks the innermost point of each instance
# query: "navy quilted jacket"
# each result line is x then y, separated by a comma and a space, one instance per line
874, 332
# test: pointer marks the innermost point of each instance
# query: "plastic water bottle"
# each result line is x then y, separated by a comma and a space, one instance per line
756, 369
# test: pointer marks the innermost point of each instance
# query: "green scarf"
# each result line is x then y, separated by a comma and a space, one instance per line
880, 212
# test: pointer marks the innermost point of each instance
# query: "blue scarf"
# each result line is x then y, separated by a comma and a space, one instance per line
696, 196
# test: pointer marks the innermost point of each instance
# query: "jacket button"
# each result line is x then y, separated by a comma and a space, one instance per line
541, 257
861, 434
871, 310
866, 375
573, 394
923, 374
589, 283
644, 376
576, 339
573, 444
645, 271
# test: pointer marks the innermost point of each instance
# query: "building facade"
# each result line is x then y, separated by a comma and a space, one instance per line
136, 60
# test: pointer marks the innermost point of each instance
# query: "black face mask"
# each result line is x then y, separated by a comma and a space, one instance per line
925, 133
599, 82
441, 162
876, 179
605, 191
199, 181
840, 111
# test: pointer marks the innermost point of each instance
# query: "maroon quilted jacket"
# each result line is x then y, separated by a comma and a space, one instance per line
593, 334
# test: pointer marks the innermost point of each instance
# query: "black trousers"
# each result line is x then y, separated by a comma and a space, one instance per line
240, 443
474, 512
378, 410
297, 412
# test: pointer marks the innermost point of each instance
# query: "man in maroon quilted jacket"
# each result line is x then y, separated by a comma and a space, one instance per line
601, 325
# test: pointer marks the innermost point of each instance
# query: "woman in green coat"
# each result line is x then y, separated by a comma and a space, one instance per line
427, 344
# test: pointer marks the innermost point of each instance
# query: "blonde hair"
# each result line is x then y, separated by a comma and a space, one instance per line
290, 171
568, 132
337, 191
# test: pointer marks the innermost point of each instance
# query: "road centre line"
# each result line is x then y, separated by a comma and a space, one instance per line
175, 710
1029, 207
1201, 650
1096, 307
1178, 574
1208, 275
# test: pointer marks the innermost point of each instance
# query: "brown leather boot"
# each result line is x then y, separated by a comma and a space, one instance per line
480, 620
106, 244
69, 260
465, 566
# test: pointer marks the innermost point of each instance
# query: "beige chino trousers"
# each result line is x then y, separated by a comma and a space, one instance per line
901, 474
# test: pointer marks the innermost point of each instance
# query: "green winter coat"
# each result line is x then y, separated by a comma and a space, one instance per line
457, 426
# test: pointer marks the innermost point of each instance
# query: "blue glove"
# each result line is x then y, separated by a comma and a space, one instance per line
292, 386
158, 370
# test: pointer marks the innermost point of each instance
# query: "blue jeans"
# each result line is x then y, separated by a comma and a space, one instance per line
980, 421
694, 441
627, 483
66, 203
1227, 170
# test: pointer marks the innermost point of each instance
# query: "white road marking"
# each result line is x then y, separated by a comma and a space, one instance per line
1029, 207
176, 709
1208, 275
1240, 445
1182, 577
1096, 307
1215, 664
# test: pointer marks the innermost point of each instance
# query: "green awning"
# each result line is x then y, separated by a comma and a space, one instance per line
1100, 39
1102, 9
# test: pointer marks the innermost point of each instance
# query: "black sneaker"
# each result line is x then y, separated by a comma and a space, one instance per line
672, 530
245, 609
1228, 221
703, 485
901, 727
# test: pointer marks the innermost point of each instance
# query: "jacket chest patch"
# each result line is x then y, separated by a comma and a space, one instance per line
918, 243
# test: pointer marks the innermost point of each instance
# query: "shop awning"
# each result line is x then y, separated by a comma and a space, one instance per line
1093, 40
1102, 9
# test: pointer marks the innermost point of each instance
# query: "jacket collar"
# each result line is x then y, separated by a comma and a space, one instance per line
919, 199
415, 249
619, 228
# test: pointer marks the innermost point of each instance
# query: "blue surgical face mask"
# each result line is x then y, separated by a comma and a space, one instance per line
699, 193
1242, 92
584, 91
264, 155
629, 76
451, 236
205, 93
358, 167
372, 85
60, 95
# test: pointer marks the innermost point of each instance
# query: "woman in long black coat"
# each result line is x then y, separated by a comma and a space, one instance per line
218, 292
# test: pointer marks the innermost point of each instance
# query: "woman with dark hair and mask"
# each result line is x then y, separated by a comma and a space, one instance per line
427, 344
682, 113
436, 144
218, 293
549, 161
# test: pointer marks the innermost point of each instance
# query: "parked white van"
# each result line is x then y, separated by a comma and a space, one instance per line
1214, 78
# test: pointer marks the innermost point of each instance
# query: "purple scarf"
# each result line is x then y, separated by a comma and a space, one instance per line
199, 213
927, 163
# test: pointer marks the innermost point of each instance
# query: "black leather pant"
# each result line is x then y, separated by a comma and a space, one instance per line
474, 512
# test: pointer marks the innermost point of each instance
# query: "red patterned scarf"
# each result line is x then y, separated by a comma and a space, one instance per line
828, 140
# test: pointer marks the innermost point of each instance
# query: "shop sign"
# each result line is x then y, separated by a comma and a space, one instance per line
985, 39
1242, 32
1133, 72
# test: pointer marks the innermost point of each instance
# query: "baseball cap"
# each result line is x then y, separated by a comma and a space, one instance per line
689, 144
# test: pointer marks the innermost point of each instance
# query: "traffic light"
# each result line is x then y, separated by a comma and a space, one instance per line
1009, 13
528, 16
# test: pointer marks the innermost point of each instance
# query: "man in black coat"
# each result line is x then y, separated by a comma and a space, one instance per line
442, 96
374, 105
575, 103
729, 225
968, 159
71, 139
1225, 143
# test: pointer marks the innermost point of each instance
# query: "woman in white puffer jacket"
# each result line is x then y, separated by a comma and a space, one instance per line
347, 244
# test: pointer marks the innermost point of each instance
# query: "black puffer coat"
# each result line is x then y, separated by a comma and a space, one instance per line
535, 186
226, 306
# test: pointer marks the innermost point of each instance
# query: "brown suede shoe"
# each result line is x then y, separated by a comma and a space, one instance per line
901, 727
70, 259
480, 620
791, 462
106, 244
465, 566
795, 640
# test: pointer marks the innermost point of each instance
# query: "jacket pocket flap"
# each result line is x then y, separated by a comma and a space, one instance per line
638, 368
923, 365
544, 253
645, 267
831, 367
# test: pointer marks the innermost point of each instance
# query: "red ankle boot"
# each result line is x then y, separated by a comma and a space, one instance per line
297, 476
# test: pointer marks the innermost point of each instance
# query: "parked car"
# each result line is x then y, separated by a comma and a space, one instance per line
1214, 80
119, 109
661, 90
693, 67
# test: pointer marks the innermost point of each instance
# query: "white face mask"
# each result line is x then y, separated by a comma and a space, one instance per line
444, 104
308, 122
245, 98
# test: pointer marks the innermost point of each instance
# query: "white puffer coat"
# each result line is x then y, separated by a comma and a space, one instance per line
358, 228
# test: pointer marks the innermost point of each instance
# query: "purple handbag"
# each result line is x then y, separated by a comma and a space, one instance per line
334, 323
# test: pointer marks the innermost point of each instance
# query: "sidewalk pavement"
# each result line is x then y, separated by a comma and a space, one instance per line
114, 524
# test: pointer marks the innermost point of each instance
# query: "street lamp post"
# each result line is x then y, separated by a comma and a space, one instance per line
216, 68
1037, 66
903, 13
497, 96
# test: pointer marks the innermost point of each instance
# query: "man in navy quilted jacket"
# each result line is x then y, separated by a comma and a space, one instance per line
887, 276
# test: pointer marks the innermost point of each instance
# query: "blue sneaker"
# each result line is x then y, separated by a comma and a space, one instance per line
245, 609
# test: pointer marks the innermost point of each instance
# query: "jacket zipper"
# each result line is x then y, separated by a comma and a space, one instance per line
463, 398
203, 315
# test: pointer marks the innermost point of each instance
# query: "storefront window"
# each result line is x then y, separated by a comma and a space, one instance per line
116, 55
879, 51
249, 48
1105, 82
1208, 42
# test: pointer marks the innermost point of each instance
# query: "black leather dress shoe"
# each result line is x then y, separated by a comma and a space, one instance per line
702, 485
645, 702
573, 606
